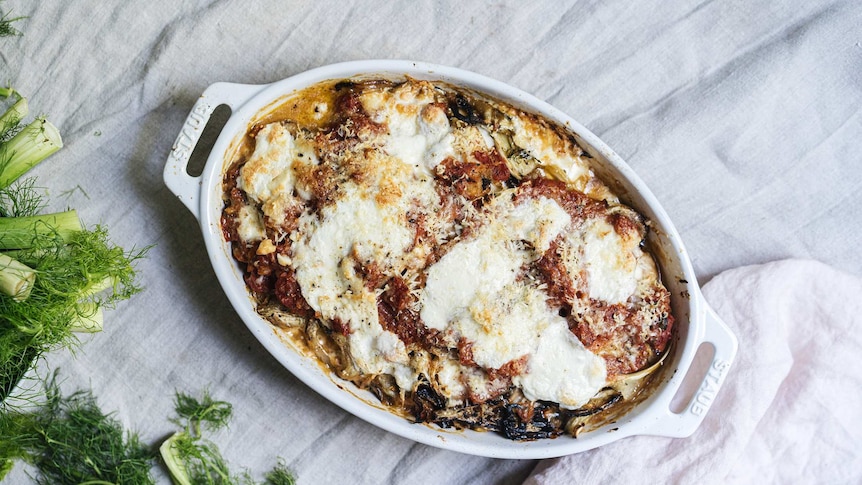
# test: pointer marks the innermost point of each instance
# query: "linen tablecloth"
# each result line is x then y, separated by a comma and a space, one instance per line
742, 117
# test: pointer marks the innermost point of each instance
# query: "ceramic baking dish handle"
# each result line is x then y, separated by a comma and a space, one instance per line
185, 186
724, 343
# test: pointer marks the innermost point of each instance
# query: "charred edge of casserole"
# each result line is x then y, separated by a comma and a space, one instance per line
517, 418
510, 414
507, 411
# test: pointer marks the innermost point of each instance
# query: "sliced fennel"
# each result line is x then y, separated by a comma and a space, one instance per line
34, 143
193, 459
16, 278
189, 456
24, 232
56, 276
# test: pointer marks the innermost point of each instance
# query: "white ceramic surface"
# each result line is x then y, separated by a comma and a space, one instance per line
696, 322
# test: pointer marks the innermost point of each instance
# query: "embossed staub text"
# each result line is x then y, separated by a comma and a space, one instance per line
191, 131
708, 389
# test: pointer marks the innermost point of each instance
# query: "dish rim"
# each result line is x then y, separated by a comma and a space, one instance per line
652, 416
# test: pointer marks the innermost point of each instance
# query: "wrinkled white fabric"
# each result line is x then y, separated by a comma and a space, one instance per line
790, 410
742, 117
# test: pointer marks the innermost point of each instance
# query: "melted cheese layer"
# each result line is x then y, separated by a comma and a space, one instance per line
615, 266
387, 216
473, 293
268, 177
353, 231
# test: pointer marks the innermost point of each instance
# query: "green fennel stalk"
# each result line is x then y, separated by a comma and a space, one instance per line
34, 143
56, 276
24, 232
10, 119
64, 296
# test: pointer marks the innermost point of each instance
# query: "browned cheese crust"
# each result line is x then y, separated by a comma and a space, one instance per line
493, 155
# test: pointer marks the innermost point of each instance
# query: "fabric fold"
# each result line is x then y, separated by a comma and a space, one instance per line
790, 410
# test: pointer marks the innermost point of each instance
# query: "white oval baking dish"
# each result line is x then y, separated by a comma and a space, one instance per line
696, 322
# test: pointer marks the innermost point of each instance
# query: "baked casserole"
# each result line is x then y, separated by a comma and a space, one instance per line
453, 254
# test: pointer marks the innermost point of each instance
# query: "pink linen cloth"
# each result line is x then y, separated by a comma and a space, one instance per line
790, 410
